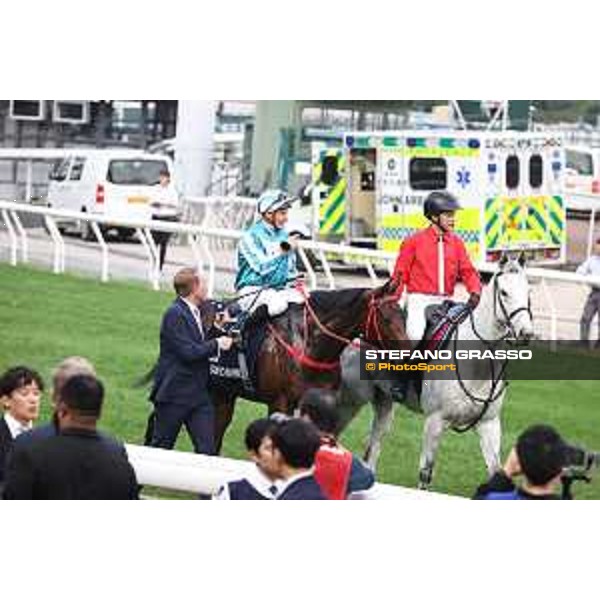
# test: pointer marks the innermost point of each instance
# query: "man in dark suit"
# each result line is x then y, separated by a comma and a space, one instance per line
76, 463
180, 391
20, 394
294, 446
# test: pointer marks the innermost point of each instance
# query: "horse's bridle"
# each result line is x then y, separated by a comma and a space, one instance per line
507, 319
498, 385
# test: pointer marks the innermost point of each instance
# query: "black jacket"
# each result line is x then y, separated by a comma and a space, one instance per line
182, 371
6, 442
75, 464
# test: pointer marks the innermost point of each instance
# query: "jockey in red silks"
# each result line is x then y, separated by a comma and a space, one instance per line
430, 264
432, 261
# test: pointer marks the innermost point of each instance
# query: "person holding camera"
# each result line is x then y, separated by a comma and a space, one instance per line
180, 392
539, 457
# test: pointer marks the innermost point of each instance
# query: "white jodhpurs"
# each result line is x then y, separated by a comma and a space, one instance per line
276, 301
415, 307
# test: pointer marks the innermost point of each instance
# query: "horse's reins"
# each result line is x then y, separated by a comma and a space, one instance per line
494, 393
305, 359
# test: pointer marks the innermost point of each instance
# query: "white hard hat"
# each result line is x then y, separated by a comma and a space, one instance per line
273, 200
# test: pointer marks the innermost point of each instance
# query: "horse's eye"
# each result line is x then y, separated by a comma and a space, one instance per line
504, 293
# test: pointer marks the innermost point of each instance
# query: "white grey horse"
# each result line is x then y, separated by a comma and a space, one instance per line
472, 399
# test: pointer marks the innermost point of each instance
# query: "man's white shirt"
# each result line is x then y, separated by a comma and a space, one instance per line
16, 427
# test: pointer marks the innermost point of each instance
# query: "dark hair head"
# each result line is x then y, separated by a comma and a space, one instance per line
83, 394
542, 454
18, 377
256, 432
298, 442
320, 406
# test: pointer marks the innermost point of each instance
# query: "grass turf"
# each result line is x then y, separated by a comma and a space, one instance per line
45, 317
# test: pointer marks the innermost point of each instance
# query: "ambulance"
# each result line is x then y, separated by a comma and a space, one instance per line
370, 191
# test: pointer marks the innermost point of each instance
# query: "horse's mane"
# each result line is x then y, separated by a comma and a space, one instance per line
326, 302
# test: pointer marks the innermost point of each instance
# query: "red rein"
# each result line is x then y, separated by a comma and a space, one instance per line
313, 364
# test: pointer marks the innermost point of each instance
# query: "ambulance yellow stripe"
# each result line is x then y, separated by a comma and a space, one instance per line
335, 222
336, 196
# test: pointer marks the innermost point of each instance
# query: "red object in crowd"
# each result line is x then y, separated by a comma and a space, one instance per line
332, 470
417, 265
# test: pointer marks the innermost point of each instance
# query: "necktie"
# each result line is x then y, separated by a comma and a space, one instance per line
273, 490
198, 320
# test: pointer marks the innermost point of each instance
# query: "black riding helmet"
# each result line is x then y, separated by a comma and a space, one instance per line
439, 202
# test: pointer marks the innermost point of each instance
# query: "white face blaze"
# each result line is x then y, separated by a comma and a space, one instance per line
513, 296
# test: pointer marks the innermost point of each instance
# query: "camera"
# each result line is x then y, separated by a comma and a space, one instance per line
581, 459
579, 464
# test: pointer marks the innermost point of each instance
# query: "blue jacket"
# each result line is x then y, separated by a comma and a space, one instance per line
304, 488
260, 260
181, 375
361, 477
244, 490
502, 487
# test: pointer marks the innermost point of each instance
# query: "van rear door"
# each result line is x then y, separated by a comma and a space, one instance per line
132, 185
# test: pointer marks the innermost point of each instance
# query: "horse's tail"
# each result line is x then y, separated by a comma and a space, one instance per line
147, 378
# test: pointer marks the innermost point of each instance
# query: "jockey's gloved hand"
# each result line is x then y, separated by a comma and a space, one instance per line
473, 301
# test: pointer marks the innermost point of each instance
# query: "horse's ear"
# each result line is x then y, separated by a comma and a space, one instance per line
503, 260
522, 259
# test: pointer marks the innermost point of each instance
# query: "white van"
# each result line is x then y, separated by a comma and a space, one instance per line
582, 176
119, 184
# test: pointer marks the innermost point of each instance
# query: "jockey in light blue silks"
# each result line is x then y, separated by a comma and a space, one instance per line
267, 260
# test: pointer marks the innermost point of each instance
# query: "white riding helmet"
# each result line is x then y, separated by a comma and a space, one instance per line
273, 200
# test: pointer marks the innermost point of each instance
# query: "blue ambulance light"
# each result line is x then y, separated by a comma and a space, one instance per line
492, 168
556, 166
349, 141
474, 144
411, 142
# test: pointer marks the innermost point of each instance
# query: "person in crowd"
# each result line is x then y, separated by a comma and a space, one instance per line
261, 483
75, 463
592, 306
539, 456
67, 368
337, 470
166, 208
294, 446
180, 390
21, 391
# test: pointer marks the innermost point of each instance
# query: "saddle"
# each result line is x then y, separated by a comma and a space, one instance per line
239, 365
442, 321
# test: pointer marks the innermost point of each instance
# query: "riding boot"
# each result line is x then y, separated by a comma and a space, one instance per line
259, 316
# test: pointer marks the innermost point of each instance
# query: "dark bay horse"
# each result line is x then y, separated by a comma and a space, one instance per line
302, 348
